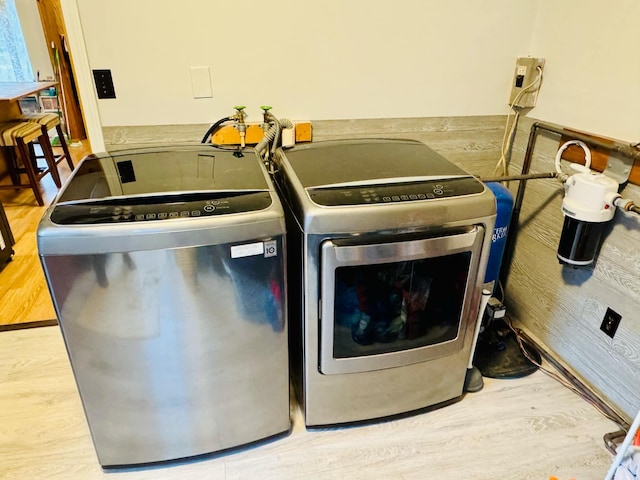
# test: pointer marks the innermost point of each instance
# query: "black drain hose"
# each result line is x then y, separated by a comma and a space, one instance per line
214, 127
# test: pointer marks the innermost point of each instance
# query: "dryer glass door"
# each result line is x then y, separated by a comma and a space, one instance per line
390, 304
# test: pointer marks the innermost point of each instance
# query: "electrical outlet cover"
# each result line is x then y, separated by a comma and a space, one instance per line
526, 84
610, 322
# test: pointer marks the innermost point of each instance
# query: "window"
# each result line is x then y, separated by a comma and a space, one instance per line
14, 59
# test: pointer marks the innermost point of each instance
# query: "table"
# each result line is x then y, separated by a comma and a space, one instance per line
11, 92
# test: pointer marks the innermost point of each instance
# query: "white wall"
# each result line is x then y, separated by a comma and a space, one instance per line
329, 59
34, 39
592, 70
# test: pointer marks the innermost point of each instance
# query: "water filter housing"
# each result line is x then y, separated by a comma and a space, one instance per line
587, 206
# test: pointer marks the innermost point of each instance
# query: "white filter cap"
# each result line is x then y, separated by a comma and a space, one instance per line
589, 197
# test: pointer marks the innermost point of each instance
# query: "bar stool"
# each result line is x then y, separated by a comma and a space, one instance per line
47, 121
15, 138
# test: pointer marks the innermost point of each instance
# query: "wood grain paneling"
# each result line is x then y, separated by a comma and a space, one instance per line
564, 307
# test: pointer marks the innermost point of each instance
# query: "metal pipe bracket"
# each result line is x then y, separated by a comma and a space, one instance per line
618, 167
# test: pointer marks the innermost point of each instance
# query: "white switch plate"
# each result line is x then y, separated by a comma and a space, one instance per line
201, 82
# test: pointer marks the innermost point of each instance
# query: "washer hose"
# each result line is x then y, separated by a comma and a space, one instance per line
212, 129
273, 133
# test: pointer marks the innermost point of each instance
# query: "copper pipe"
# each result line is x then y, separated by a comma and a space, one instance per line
510, 178
625, 149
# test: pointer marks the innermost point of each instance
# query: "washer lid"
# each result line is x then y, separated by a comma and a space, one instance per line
161, 171
163, 183
368, 162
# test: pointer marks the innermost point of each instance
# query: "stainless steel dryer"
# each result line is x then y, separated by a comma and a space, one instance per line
388, 243
166, 268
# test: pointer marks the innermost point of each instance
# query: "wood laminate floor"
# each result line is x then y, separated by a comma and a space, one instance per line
528, 428
23, 290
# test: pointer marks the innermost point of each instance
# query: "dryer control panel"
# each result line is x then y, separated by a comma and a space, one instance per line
395, 192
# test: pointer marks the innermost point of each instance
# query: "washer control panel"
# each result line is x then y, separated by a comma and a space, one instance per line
396, 192
144, 209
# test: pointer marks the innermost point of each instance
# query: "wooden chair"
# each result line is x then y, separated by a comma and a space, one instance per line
15, 138
47, 121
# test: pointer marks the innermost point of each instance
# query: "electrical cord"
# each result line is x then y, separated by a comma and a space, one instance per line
507, 138
501, 287
587, 396
501, 166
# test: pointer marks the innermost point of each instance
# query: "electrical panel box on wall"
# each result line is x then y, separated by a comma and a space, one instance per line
526, 82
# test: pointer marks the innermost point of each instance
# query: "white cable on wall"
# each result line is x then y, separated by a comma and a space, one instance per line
507, 138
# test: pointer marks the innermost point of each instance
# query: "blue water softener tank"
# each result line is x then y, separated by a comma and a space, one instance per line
504, 206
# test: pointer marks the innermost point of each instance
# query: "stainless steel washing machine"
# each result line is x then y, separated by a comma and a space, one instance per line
388, 244
166, 267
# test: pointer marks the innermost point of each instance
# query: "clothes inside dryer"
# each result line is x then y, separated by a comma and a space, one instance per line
398, 306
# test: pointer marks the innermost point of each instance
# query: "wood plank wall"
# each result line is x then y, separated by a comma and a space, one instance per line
564, 307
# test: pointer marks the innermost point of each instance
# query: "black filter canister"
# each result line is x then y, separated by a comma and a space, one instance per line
580, 241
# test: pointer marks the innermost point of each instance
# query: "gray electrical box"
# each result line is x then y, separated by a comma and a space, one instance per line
526, 82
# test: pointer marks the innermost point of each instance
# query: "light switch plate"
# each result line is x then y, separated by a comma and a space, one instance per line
201, 82
104, 84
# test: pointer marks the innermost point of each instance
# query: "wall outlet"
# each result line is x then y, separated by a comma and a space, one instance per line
610, 322
526, 82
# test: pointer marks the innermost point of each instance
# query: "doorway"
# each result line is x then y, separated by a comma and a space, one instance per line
55, 34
